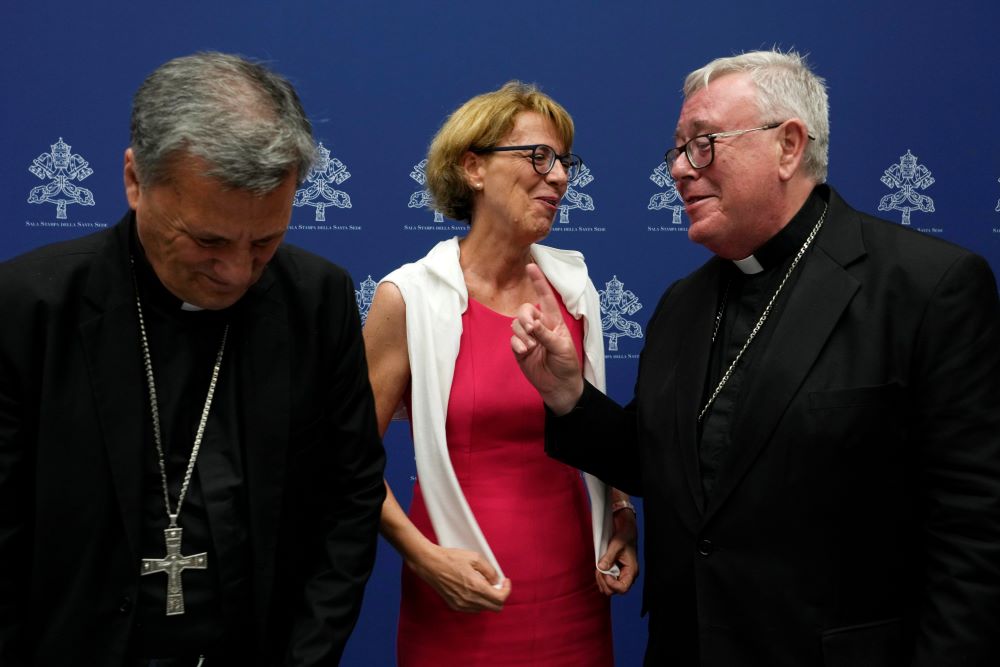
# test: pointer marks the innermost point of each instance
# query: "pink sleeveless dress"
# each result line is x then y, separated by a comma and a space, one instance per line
534, 512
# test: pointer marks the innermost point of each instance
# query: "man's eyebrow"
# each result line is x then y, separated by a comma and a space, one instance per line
207, 236
270, 237
698, 127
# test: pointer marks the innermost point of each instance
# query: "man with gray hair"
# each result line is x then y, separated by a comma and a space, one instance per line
816, 423
190, 469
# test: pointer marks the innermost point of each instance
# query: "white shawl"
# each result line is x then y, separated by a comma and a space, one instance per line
436, 296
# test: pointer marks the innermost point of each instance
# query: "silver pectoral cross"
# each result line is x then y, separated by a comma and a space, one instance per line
173, 564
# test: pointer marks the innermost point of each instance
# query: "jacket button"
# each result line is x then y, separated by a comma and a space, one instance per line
705, 547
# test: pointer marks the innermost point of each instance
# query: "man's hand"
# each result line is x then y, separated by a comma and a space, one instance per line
544, 348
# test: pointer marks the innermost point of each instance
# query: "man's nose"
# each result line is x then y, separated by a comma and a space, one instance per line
234, 268
682, 168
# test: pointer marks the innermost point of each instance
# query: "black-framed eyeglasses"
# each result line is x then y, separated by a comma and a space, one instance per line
543, 158
700, 150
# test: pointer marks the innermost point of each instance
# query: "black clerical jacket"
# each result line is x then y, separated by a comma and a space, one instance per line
72, 406
855, 520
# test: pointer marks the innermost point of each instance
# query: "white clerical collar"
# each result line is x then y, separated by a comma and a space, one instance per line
190, 306
748, 265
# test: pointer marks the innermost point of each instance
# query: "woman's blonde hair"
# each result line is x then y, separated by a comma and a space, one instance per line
482, 122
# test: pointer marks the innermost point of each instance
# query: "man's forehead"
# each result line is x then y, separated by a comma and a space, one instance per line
724, 101
212, 228
694, 127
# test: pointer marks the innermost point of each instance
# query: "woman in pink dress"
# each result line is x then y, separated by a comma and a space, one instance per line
507, 559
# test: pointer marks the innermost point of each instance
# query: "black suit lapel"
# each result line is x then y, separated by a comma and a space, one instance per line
265, 400
110, 340
814, 307
696, 310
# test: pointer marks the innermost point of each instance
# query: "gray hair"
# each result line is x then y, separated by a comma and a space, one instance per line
786, 88
245, 121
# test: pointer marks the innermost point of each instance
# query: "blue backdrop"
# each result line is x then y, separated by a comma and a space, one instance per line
914, 110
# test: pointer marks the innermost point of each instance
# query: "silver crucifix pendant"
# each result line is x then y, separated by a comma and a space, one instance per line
173, 564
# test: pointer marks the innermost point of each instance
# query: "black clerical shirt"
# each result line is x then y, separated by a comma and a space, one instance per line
183, 347
745, 296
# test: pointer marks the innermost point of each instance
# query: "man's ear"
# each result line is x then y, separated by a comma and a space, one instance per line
132, 188
793, 138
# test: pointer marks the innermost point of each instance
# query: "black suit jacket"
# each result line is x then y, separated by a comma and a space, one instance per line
856, 520
71, 441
